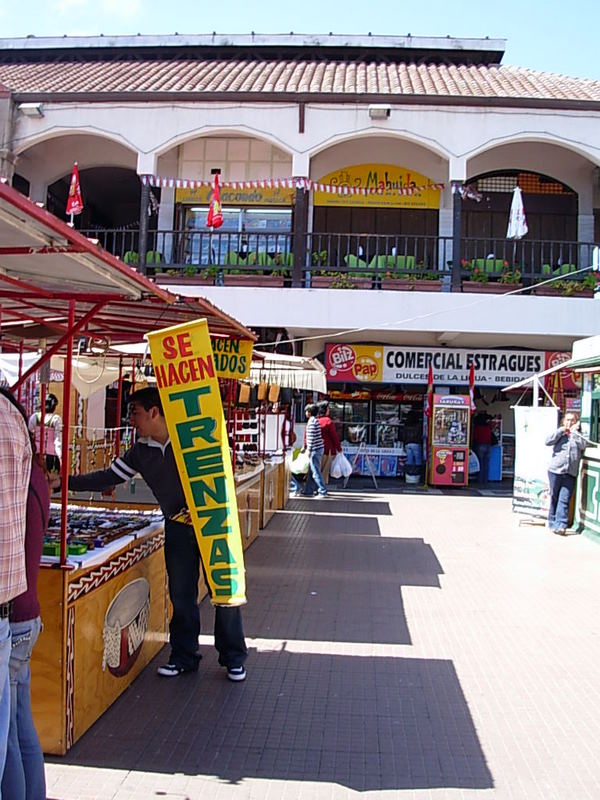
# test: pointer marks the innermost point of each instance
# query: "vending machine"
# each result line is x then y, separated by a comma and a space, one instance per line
450, 423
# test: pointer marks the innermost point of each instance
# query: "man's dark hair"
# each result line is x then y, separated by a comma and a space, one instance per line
322, 408
147, 398
312, 409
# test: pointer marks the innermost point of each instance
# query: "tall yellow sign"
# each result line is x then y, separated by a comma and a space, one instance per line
187, 380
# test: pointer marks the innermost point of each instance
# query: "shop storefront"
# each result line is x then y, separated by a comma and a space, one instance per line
378, 395
257, 223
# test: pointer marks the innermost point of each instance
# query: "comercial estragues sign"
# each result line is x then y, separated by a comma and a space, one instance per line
347, 363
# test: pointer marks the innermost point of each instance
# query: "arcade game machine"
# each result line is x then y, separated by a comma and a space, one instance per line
450, 440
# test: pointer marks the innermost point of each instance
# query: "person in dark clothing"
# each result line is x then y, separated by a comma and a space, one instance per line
152, 456
483, 439
331, 440
568, 446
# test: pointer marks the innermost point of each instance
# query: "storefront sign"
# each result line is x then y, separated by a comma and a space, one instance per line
381, 186
360, 363
238, 196
189, 390
232, 357
564, 378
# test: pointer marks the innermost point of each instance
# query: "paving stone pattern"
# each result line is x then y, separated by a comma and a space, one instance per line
403, 645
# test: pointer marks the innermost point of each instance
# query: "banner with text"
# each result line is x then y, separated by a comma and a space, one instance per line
378, 186
186, 377
531, 490
387, 364
232, 357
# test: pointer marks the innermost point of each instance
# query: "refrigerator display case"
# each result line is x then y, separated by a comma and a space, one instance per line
450, 440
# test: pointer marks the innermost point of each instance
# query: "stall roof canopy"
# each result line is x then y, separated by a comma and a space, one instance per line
293, 372
44, 264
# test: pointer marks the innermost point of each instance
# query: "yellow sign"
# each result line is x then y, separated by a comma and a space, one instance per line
384, 184
189, 390
240, 196
232, 357
354, 362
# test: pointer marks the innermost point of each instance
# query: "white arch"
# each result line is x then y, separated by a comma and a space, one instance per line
57, 131
431, 145
533, 137
206, 131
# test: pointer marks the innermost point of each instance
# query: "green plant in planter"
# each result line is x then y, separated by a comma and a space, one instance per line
571, 288
510, 275
477, 274
341, 280
319, 259
189, 270
590, 281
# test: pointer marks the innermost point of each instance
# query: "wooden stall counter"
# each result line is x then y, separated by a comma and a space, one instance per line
249, 492
105, 618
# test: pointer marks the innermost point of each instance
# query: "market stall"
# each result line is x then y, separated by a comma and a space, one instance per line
102, 586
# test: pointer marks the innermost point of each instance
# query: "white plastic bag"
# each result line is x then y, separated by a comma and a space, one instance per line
340, 467
300, 464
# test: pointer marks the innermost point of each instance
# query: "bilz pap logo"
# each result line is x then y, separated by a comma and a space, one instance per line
341, 358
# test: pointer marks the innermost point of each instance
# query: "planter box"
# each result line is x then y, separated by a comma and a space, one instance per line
253, 280
478, 287
406, 285
549, 291
325, 281
190, 280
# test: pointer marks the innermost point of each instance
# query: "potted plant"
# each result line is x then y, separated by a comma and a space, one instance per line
415, 282
569, 288
191, 274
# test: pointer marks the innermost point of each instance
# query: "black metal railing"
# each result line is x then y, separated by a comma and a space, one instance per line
347, 255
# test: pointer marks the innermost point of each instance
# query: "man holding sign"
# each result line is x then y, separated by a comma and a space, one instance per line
153, 457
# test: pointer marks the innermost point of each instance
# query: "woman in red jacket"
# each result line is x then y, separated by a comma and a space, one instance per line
331, 440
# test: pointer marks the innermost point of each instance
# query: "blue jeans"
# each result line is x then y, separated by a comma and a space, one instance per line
315, 476
483, 453
182, 559
23, 777
561, 489
296, 485
4, 689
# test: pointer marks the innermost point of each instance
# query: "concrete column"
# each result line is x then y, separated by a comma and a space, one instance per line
456, 234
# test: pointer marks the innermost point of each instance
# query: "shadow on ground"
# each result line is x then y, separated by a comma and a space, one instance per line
366, 723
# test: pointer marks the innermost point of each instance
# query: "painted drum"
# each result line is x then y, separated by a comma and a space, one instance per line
125, 626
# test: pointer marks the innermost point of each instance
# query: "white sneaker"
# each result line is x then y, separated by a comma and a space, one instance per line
236, 673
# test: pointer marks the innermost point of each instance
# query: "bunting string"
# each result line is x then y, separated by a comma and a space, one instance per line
291, 183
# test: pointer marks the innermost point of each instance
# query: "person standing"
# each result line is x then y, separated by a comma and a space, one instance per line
24, 777
152, 456
52, 433
483, 438
314, 450
15, 469
331, 440
568, 446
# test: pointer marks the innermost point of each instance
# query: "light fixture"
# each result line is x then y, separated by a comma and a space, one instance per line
31, 109
379, 111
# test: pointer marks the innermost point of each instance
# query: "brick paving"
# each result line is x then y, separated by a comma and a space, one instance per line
415, 645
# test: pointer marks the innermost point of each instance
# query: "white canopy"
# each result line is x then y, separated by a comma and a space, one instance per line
290, 372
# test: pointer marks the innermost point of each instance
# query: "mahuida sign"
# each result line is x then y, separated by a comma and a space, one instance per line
346, 363
184, 366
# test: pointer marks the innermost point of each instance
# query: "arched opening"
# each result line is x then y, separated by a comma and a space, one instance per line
550, 205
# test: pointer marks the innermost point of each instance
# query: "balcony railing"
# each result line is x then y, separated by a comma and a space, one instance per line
216, 254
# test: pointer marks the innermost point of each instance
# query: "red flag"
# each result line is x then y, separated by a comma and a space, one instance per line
75, 200
429, 395
215, 217
472, 387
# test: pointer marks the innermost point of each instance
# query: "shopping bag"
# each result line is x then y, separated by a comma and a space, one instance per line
300, 464
340, 467
346, 466
335, 470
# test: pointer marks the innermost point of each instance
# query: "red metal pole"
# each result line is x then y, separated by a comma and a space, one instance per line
64, 491
42, 447
118, 415
21, 348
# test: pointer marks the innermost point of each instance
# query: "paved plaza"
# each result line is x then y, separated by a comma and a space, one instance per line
402, 645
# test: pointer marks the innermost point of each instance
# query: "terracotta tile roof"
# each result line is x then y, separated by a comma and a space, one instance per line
293, 76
